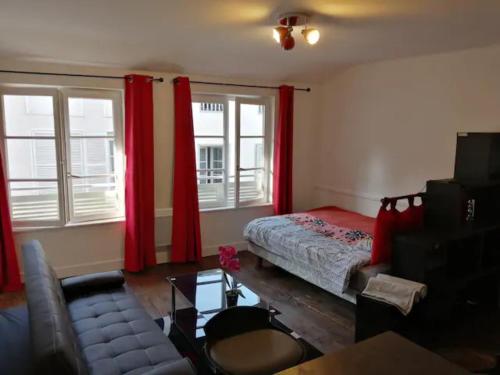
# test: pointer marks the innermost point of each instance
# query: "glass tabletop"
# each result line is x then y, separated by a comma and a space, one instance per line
206, 291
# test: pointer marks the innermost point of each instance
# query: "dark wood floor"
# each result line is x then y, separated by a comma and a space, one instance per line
324, 320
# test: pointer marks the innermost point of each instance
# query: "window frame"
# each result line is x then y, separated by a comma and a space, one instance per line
116, 98
267, 144
61, 138
267, 103
33, 91
219, 99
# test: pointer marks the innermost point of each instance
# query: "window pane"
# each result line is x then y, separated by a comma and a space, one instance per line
95, 196
28, 115
34, 201
92, 156
252, 119
90, 117
252, 185
208, 118
31, 158
204, 151
252, 152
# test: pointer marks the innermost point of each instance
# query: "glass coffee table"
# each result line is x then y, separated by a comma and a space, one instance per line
206, 292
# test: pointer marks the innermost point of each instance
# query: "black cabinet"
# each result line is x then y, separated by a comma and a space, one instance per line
451, 263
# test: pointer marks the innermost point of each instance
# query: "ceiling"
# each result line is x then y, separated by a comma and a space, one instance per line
232, 38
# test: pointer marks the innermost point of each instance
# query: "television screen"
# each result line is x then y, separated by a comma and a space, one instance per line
477, 157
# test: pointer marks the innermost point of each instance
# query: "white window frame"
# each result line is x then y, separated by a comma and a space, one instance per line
267, 103
116, 98
63, 159
267, 135
220, 99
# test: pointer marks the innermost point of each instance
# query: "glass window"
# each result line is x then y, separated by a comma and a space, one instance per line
41, 186
232, 150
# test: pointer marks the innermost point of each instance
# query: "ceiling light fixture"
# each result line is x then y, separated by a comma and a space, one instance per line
283, 33
311, 35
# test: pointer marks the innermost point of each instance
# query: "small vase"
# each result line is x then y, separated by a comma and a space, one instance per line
231, 298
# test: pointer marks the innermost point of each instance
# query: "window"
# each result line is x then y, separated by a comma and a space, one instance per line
233, 148
63, 155
210, 165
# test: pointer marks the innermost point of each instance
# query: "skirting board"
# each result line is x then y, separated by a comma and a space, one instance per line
162, 256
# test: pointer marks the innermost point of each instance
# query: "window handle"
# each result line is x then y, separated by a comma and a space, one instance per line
73, 175
245, 169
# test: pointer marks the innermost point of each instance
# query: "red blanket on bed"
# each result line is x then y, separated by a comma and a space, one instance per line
343, 218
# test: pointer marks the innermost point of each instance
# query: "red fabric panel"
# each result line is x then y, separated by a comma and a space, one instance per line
139, 176
283, 153
411, 218
343, 218
186, 239
10, 279
385, 227
388, 223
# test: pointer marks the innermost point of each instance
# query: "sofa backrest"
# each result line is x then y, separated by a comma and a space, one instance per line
55, 345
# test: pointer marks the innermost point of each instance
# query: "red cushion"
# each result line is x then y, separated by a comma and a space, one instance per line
388, 223
385, 227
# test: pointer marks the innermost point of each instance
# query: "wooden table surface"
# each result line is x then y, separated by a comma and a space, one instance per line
386, 354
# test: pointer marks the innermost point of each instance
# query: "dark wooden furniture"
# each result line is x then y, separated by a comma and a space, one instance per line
386, 354
460, 263
374, 317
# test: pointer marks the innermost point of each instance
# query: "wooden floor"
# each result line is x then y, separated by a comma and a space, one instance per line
324, 320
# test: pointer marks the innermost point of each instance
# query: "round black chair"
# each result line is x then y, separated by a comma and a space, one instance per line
242, 341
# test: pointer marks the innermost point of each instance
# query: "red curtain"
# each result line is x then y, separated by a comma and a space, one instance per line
139, 175
283, 153
186, 239
10, 279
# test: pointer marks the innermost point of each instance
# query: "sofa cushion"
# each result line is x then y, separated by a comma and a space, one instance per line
117, 335
54, 343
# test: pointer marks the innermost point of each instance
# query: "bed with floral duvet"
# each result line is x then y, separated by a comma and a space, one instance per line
329, 247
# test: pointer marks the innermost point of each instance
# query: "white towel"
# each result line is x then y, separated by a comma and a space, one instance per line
395, 291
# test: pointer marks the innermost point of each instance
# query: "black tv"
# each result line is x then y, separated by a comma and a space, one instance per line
477, 159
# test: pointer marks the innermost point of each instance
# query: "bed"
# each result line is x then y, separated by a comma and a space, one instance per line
329, 247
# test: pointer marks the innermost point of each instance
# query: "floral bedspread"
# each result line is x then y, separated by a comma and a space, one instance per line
334, 252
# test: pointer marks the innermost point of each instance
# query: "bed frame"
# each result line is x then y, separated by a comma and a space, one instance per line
358, 280
356, 285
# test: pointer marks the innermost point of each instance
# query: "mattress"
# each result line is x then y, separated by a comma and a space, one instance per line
328, 244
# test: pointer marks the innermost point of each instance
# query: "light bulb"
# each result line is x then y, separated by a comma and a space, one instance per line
276, 35
311, 36
279, 33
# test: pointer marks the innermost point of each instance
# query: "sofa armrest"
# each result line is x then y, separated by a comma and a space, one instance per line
180, 367
76, 285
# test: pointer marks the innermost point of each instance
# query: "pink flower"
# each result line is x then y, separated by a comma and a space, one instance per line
228, 258
227, 251
234, 264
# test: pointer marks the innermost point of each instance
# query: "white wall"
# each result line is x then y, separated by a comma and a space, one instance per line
100, 247
388, 127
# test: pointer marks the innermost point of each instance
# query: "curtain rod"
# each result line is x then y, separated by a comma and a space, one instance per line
308, 89
70, 75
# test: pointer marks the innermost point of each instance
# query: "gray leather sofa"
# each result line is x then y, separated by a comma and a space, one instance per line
92, 325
